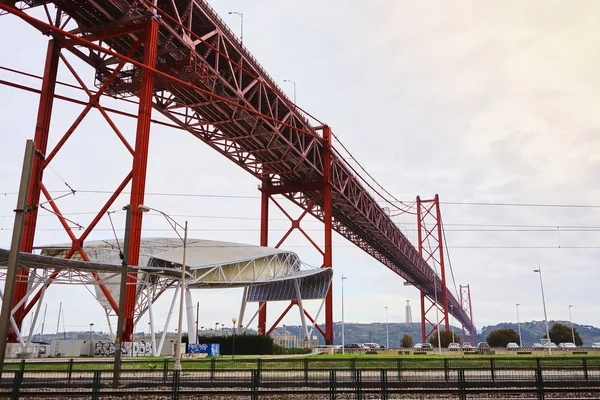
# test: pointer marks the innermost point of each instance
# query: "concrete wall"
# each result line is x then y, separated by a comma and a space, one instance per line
71, 348
34, 350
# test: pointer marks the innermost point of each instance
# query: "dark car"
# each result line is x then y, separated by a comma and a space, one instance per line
427, 346
483, 346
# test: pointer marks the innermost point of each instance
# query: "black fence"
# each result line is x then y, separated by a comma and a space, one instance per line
384, 378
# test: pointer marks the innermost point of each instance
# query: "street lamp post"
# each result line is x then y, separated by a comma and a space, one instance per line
234, 320
539, 271
241, 15
343, 342
293, 83
175, 224
452, 323
91, 346
519, 326
387, 329
571, 319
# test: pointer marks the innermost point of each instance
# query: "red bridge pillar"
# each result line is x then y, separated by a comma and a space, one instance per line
321, 205
138, 172
431, 248
42, 129
147, 35
465, 303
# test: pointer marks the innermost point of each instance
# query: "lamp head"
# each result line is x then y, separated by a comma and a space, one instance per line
143, 208
536, 270
234, 320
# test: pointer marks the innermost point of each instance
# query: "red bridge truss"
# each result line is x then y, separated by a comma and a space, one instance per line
180, 59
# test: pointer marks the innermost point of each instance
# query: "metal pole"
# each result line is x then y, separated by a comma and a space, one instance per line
387, 329
571, 319
15, 246
233, 320
452, 324
343, 342
43, 323
197, 315
177, 365
519, 325
58, 319
437, 314
122, 293
539, 271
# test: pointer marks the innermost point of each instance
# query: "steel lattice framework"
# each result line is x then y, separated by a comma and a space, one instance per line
179, 57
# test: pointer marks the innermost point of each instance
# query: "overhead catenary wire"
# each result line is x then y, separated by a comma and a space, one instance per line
234, 196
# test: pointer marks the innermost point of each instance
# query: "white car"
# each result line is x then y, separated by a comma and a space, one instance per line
371, 345
512, 345
568, 345
453, 346
596, 345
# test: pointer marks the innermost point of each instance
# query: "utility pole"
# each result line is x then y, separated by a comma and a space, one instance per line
43, 323
123, 285
197, 317
15, 248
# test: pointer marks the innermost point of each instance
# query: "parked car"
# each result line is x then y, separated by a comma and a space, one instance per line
418, 346
567, 345
596, 345
371, 345
354, 346
537, 346
453, 346
483, 346
467, 345
512, 345
427, 346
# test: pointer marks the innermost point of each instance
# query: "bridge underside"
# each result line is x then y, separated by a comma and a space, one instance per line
180, 59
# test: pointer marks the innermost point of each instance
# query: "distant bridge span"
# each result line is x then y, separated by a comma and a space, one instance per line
180, 58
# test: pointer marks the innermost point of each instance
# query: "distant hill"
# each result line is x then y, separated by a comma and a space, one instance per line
376, 332
365, 333
533, 331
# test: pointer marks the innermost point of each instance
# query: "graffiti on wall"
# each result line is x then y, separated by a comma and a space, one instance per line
130, 349
212, 349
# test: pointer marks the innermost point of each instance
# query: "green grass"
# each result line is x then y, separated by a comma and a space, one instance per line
339, 361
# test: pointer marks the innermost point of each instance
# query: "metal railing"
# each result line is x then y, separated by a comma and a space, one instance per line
319, 378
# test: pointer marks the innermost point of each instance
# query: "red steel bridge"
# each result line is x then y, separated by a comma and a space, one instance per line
179, 58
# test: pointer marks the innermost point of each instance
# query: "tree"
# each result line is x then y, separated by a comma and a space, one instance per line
406, 341
560, 333
502, 337
445, 336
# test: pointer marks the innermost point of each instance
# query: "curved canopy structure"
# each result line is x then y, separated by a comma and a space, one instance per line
209, 264
214, 264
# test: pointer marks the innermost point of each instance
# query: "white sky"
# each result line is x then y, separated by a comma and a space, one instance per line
477, 101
